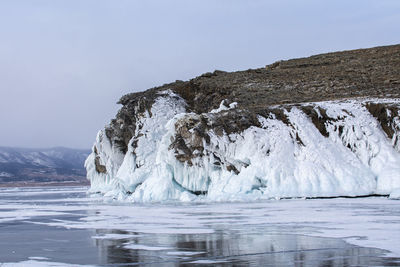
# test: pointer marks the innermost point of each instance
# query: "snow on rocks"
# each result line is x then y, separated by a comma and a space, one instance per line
324, 149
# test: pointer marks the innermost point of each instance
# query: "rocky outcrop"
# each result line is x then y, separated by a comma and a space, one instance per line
194, 138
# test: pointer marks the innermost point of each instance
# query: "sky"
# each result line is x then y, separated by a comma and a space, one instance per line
65, 63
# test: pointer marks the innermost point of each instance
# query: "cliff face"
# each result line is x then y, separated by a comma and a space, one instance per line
326, 125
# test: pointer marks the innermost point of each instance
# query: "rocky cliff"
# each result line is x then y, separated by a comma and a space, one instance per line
327, 125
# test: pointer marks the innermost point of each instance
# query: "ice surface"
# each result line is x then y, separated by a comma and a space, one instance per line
144, 247
114, 236
395, 194
372, 222
38, 258
368, 222
184, 253
277, 160
208, 261
36, 263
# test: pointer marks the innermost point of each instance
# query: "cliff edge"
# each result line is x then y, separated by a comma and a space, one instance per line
322, 126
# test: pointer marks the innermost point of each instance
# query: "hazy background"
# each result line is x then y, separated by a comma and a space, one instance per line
64, 64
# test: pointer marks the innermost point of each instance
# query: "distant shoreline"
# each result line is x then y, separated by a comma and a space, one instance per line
8, 185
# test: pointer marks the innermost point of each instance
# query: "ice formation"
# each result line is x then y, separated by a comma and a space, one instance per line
322, 149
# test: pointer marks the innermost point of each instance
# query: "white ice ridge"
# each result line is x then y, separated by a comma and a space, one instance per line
277, 160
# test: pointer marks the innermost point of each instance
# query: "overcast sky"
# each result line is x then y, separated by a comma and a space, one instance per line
64, 64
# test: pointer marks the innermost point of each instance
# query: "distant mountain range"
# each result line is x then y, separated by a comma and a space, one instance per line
27, 166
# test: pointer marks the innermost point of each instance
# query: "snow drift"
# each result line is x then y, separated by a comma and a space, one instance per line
322, 149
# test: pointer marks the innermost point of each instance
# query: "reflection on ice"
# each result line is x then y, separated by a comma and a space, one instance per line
239, 248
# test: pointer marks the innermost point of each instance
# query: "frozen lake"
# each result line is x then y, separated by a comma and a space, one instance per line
64, 226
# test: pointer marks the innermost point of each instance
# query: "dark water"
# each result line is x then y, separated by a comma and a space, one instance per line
225, 247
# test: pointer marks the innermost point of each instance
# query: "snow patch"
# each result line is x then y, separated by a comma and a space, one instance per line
223, 106
144, 247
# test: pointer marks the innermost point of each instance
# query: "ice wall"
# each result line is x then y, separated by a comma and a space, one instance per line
343, 150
